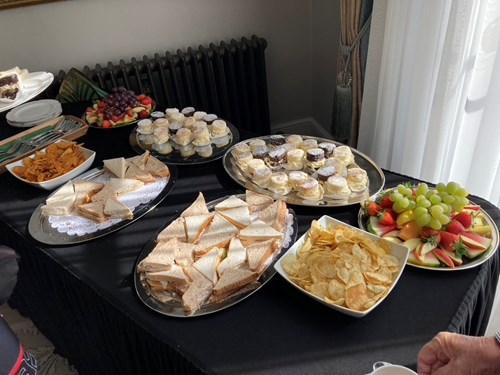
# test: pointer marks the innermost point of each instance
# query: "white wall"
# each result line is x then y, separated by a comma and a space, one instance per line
75, 33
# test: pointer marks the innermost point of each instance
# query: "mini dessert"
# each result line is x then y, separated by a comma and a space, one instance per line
256, 143
187, 151
344, 154
255, 164
170, 111
357, 179
297, 178
183, 137
161, 123
336, 187
325, 172
260, 152
315, 158
163, 148
201, 137
278, 183
204, 151
310, 190
199, 124
221, 141
240, 149
262, 176
328, 148
219, 129
295, 140
9, 86
276, 140
161, 135
173, 128
276, 158
145, 126
308, 144
243, 159
295, 159
188, 111
340, 168
210, 118
177, 117
156, 115
287, 147
198, 115
189, 122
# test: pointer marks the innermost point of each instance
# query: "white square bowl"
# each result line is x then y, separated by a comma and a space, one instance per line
58, 181
399, 251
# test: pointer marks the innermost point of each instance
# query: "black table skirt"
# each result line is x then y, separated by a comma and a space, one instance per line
82, 297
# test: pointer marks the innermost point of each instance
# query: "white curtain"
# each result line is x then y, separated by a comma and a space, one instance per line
431, 104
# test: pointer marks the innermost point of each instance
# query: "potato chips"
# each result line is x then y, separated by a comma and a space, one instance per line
343, 267
57, 159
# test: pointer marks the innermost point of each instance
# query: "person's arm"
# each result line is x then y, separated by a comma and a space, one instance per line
449, 353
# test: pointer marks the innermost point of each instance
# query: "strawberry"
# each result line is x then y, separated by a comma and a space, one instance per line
385, 218
453, 243
146, 100
372, 209
106, 124
386, 202
455, 226
430, 235
143, 114
465, 218
115, 118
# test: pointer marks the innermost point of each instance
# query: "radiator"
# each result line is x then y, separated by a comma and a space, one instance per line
228, 79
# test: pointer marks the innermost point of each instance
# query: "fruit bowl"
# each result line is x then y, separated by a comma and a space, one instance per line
465, 237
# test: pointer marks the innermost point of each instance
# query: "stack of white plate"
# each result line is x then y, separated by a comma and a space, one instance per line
34, 113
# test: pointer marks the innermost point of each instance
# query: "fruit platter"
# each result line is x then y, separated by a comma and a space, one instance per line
122, 107
439, 225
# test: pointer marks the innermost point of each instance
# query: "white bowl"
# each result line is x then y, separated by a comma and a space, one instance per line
58, 181
399, 251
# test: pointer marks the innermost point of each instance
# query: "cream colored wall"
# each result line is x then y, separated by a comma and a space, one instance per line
76, 33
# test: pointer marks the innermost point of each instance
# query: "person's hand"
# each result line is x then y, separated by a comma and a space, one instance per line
450, 353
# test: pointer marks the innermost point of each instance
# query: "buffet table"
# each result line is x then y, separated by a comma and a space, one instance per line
83, 299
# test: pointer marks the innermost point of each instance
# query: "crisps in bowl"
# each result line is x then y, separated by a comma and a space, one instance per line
343, 267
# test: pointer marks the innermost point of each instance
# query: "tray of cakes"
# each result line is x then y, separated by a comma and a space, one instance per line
184, 137
304, 170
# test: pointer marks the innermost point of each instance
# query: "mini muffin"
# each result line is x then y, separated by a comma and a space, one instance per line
297, 178
161, 122
177, 117
324, 173
256, 143
278, 183
262, 176
183, 137
218, 128
295, 140
310, 190
344, 154
210, 118
336, 187
145, 126
328, 148
188, 111
315, 158
357, 178
307, 144
201, 136
173, 128
295, 159
204, 151
276, 140
189, 122
198, 115
340, 168
240, 149
260, 152
276, 158
254, 164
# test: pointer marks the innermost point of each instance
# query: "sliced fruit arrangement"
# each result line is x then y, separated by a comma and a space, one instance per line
439, 225
121, 107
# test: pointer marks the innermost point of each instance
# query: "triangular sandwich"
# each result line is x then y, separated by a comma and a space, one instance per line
60, 207
259, 231
93, 211
236, 256
116, 209
239, 216
233, 279
218, 234
174, 274
84, 189
184, 254
195, 225
160, 258
275, 215
196, 294
62, 193
134, 172
156, 167
125, 185
208, 263
256, 201
238, 292
258, 253
139, 161
108, 191
231, 202
117, 166
175, 229
198, 207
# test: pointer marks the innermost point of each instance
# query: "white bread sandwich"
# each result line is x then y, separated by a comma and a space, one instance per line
233, 279
174, 274
226, 296
196, 224
60, 207
125, 185
175, 229
117, 166
256, 201
238, 216
108, 191
236, 256
160, 258
62, 193
84, 189
133, 172
259, 231
93, 211
140, 160
217, 234
196, 294
184, 254
259, 252
116, 209
275, 215
230, 202
198, 207
156, 167
207, 264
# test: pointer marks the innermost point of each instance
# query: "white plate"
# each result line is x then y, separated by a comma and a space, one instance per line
33, 84
34, 113
401, 252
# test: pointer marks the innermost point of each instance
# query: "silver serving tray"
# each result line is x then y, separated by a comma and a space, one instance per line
175, 156
41, 230
376, 178
174, 307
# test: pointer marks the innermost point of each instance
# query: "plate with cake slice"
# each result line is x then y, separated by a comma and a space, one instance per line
102, 200
304, 170
214, 255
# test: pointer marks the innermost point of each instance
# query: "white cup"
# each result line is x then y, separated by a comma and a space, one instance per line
386, 368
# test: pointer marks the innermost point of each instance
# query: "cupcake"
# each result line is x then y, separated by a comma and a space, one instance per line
278, 183
336, 187
145, 126
344, 154
357, 179
262, 176
257, 143
183, 137
219, 129
173, 128
276, 158
324, 173
210, 118
188, 111
315, 158
201, 137
328, 148
297, 178
308, 144
204, 151
310, 190
295, 140
295, 159
198, 115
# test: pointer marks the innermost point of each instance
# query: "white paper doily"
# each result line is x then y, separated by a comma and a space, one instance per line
73, 224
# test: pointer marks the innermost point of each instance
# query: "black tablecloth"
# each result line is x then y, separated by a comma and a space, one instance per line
82, 296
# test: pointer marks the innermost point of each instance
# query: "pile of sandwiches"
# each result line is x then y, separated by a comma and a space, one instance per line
206, 257
101, 201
